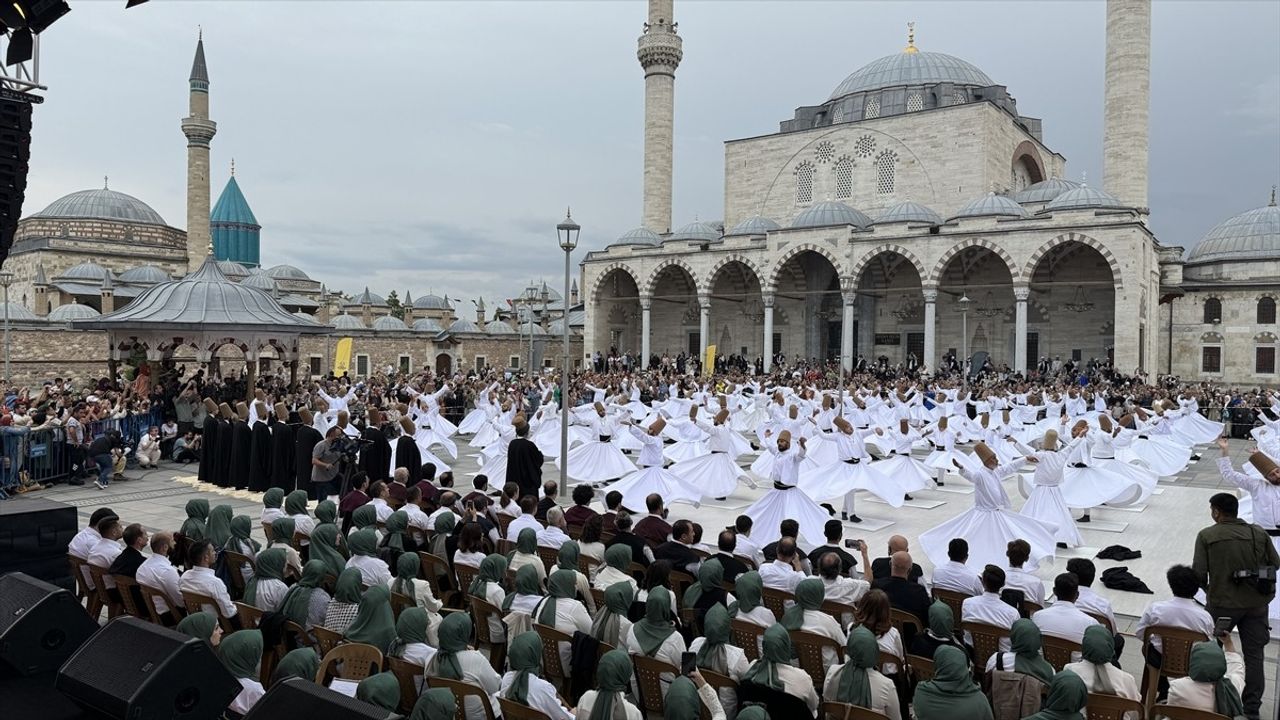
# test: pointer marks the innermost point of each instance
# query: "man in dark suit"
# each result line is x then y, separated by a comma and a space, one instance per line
613, 506
524, 461
654, 527
640, 551
833, 531
733, 567
548, 501
678, 550
881, 567
788, 529
131, 558
904, 593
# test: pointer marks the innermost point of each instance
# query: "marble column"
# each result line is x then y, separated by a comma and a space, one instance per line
930, 358
704, 322
846, 331
767, 299
1020, 295
646, 303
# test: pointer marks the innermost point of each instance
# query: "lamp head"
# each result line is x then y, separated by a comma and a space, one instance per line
568, 231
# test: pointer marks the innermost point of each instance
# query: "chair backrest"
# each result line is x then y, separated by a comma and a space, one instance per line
326, 639
954, 600
461, 691
194, 602
266, 530
250, 616
637, 571
598, 596
466, 575
832, 710
399, 602
746, 635
776, 600
350, 661
779, 703
299, 633
296, 541
1172, 712
125, 585
921, 668
1112, 707
77, 570
587, 565
512, 710
149, 597
573, 531
504, 520
838, 610
1103, 620
236, 561
552, 667
1030, 608
808, 648
750, 562
432, 568
1175, 651
889, 660
1058, 650
901, 619
689, 619
549, 556
505, 546
100, 590
680, 581
408, 675
986, 640
649, 672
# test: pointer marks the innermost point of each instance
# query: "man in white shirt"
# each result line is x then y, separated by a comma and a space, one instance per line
1063, 619
378, 493
419, 522
988, 607
553, 535
528, 505
85, 540
1090, 601
954, 575
104, 552
1181, 610
201, 579
448, 506
841, 589
157, 573
746, 547
784, 572
1032, 587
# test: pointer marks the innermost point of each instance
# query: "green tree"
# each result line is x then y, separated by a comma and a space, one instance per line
393, 303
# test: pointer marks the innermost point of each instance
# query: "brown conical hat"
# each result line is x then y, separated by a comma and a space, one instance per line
282, 411
598, 406
402, 408
693, 411
407, 426
242, 411
374, 417
344, 417
904, 426
841, 423
1262, 463
211, 407
657, 425
858, 401
260, 395
1050, 441
1004, 416
1142, 414
722, 416
827, 402
307, 417
942, 423
985, 419
984, 453
793, 411
1127, 421
1080, 425
1104, 422
784, 435
261, 408
1033, 400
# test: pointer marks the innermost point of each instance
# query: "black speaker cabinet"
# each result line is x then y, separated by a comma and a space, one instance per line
134, 670
300, 698
40, 624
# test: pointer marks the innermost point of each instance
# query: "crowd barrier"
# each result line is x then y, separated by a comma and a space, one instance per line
45, 456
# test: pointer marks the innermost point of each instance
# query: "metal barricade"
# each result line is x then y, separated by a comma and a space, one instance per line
38, 456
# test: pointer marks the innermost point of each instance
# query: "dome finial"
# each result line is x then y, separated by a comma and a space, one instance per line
1273, 196
1084, 178
911, 49
233, 167
105, 183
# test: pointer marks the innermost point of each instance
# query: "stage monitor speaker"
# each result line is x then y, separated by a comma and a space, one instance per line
34, 535
300, 698
40, 624
134, 670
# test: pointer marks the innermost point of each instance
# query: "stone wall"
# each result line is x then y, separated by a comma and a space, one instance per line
1237, 337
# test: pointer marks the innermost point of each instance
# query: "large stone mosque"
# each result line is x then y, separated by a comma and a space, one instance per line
917, 211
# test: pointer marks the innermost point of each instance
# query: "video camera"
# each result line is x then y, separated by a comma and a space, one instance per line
1263, 579
349, 446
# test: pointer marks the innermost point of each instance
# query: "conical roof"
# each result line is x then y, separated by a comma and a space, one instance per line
232, 208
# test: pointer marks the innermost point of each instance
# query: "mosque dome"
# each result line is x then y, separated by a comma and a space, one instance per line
432, 302
754, 225
463, 325
498, 327
232, 269
638, 236
990, 205
72, 311
366, 298
347, 322
1044, 191
144, 275
18, 312
307, 317
1252, 235
830, 213
1084, 197
101, 204
696, 230
260, 280
908, 211
911, 68
287, 272
88, 272
389, 323
430, 325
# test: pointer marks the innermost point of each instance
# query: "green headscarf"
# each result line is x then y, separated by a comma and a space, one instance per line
411, 626
397, 523
1067, 698
324, 547
809, 596
606, 625
753, 712
618, 557
777, 651
273, 498
942, 621
567, 558
375, 624
295, 503
682, 701
560, 586
241, 653
365, 517
715, 633
281, 531
241, 527
613, 678
199, 625
748, 593
527, 583
269, 566
861, 655
527, 542
218, 528
406, 572
197, 518
326, 512
951, 693
297, 601
524, 656
301, 663
435, 704
363, 542
493, 569
657, 624
710, 578
454, 632
445, 523
382, 690
1209, 665
1098, 647
349, 586
1024, 637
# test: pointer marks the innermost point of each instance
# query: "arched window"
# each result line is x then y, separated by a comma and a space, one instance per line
915, 102
886, 172
957, 98
837, 115
1213, 310
804, 183
1267, 311
873, 108
844, 178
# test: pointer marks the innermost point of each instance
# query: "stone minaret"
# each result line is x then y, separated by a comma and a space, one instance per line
199, 130
1128, 93
659, 54
40, 286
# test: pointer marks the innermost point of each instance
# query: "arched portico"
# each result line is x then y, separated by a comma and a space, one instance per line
806, 284
616, 310
1076, 283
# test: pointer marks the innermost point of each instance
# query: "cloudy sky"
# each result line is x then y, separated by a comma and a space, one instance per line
433, 146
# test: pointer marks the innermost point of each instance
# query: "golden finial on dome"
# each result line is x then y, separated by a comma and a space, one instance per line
910, 49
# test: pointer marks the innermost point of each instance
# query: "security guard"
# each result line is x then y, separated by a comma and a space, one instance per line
1235, 563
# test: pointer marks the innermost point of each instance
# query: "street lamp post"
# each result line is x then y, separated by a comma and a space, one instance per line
964, 340
568, 234
6, 279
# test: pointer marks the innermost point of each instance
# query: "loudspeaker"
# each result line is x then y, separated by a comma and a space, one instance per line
15, 153
34, 535
136, 670
40, 624
300, 698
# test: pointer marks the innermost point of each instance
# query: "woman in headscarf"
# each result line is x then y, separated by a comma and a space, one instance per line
326, 513
435, 704
941, 631
708, 591
874, 614
281, 536
806, 614
774, 669
396, 542
655, 635
364, 557
749, 606
527, 593
1214, 682
241, 653
444, 525
611, 623
414, 645
241, 542
523, 683
266, 589
567, 559
562, 611
272, 499
488, 587
952, 693
324, 547
203, 625
305, 603
375, 623
455, 661
1024, 656
218, 528
717, 654
688, 695
194, 527
342, 609
365, 517
301, 663
380, 690
295, 506
858, 681
526, 554
407, 583
616, 561
1095, 668
1067, 698
608, 700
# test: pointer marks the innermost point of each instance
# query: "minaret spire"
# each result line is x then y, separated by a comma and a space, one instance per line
659, 54
199, 130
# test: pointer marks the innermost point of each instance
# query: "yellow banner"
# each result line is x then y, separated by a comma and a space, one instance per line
709, 362
342, 357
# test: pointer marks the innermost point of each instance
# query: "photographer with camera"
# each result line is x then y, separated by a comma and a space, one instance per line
324, 463
1235, 563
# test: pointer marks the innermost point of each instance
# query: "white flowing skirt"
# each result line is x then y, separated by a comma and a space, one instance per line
1164, 458
769, 511
685, 450
430, 457
907, 472
495, 468
1046, 505
748, 421
1199, 428
429, 437
486, 435
988, 532
597, 461
840, 478
637, 486
1106, 484
715, 473
941, 460
473, 422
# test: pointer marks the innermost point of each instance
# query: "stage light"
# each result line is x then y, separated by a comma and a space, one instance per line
40, 14
21, 46
130, 3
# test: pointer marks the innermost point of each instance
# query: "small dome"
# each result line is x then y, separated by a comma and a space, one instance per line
1084, 197
432, 302
754, 225
366, 298
830, 213
911, 68
638, 236
307, 317
1252, 235
73, 311
701, 231
430, 325
287, 272
389, 323
463, 325
908, 211
347, 322
144, 275
498, 327
991, 205
1044, 191
232, 269
87, 271
260, 280
19, 312
102, 204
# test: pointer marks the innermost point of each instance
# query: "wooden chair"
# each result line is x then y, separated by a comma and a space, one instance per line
399, 602
266, 531
888, 659
102, 597
504, 521
1175, 651
832, 710
748, 636
573, 531
986, 641
461, 691
481, 611
349, 661
512, 710
466, 575
649, 672
433, 567
1112, 707
901, 619
296, 541
250, 616
125, 586
409, 675
149, 597
637, 571
808, 648
680, 581
1103, 620
838, 610
552, 667
954, 600
83, 593
505, 546
719, 682
748, 561
236, 561
598, 596
776, 600
1171, 712
195, 602
921, 668
326, 639
1030, 608
1058, 650
689, 619
549, 556
299, 633
587, 566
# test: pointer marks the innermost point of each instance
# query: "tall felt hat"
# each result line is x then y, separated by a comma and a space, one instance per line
374, 416
942, 423
260, 395
722, 416
904, 426
1262, 463
841, 423
598, 406
985, 419
261, 409
784, 435
407, 426
282, 412
1127, 422
344, 417
1050, 441
1080, 425
658, 425
984, 453
242, 411
211, 407
307, 417
226, 411
1104, 422
1004, 416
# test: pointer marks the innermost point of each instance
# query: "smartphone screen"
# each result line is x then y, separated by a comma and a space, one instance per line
1222, 626
688, 663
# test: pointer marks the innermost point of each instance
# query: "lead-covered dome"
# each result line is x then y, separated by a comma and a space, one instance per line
830, 213
432, 302
347, 322
908, 211
259, 280
86, 271
1084, 197
430, 325
1252, 235
755, 225
497, 327
911, 68
1045, 190
101, 204
72, 311
17, 312
389, 323
144, 274
991, 205
696, 230
637, 236
463, 325
287, 272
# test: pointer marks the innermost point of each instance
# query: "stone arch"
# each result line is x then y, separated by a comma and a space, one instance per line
775, 271
855, 275
606, 271
1028, 152
1103, 250
704, 286
651, 281
941, 266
